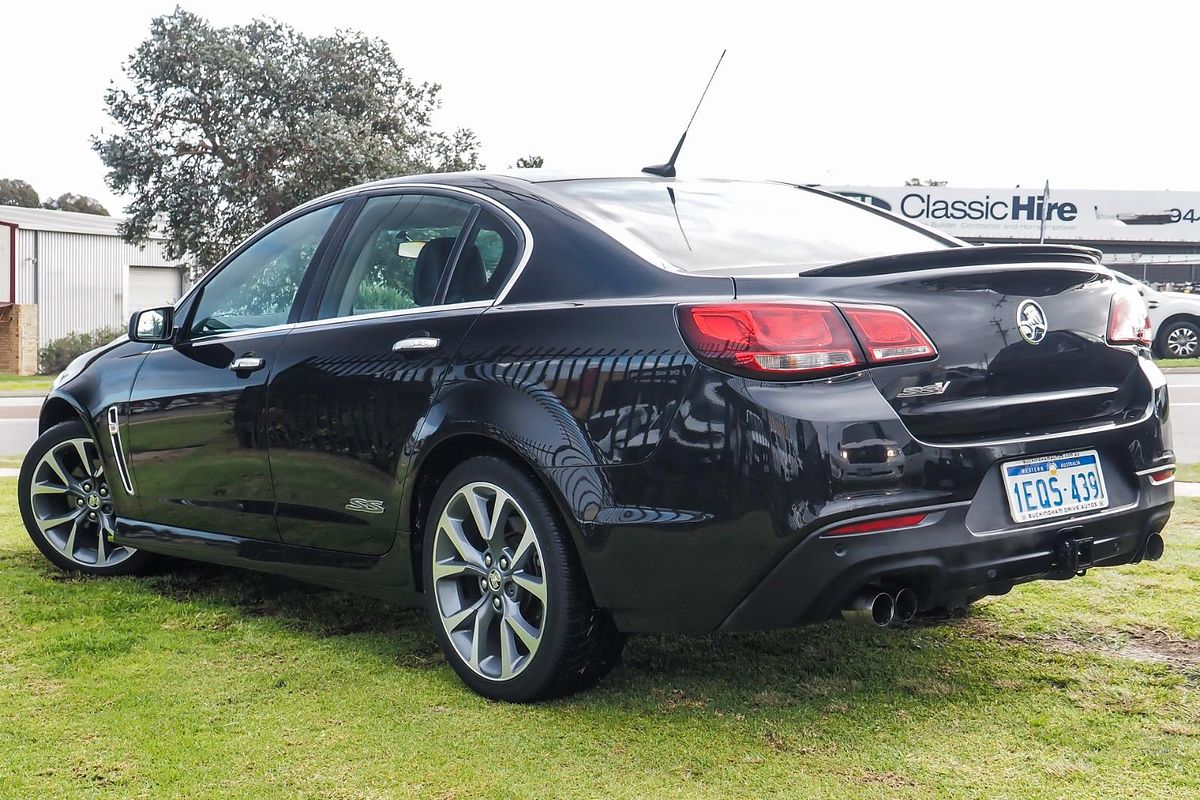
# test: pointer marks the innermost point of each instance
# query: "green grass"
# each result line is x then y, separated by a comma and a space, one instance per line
203, 682
25, 383
1187, 472
1167, 363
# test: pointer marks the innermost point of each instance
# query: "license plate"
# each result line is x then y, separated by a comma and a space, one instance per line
1054, 486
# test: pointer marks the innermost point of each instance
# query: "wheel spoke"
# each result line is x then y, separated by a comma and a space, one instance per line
524, 547
478, 505
47, 523
84, 458
454, 568
69, 547
453, 528
51, 460
534, 584
508, 649
483, 621
48, 488
529, 635
454, 621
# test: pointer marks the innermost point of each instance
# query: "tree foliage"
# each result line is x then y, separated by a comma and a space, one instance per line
79, 203
220, 130
16, 192
924, 182
530, 162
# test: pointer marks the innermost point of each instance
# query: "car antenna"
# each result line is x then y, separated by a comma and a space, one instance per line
667, 170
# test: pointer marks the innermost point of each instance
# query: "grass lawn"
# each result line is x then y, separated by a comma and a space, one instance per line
25, 383
201, 682
1188, 472
1166, 363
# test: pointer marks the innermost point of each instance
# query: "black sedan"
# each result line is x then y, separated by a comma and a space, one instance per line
559, 411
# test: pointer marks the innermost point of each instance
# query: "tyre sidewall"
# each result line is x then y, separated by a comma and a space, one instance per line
560, 571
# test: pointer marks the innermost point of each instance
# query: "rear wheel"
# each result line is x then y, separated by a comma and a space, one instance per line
66, 504
505, 591
1180, 339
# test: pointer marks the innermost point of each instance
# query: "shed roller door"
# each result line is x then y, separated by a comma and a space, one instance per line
150, 287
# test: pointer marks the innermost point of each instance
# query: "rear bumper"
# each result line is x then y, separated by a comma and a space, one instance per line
945, 562
721, 529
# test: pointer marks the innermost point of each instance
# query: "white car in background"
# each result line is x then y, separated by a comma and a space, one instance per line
1175, 317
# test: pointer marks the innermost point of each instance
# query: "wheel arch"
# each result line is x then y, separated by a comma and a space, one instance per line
59, 408
454, 449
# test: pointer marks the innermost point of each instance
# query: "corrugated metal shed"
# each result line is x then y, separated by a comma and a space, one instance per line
75, 267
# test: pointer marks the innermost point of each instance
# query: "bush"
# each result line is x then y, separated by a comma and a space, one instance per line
54, 357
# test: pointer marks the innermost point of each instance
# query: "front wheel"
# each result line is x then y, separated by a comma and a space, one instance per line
1180, 339
505, 591
66, 504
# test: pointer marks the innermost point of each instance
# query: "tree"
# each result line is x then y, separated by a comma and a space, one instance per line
530, 162
79, 203
16, 192
926, 182
222, 129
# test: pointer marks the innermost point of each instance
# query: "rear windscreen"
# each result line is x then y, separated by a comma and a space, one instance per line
718, 226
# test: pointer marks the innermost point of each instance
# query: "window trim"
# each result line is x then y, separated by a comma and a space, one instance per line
191, 301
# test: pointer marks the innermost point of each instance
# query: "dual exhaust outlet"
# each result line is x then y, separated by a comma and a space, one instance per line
874, 606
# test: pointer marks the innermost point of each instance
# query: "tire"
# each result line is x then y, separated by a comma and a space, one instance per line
527, 648
1179, 339
72, 507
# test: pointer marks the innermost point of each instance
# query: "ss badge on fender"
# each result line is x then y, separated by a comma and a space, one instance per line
365, 506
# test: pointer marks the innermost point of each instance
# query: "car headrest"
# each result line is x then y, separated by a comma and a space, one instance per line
470, 279
431, 261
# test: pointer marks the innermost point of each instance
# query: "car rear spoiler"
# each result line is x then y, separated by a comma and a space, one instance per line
961, 257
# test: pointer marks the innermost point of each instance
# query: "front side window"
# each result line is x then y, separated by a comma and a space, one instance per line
256, 289
395, 255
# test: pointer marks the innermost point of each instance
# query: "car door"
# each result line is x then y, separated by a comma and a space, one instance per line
356, 379
197, 418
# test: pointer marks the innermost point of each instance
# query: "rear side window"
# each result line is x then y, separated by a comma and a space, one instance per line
728, 226
395, 255
486, 261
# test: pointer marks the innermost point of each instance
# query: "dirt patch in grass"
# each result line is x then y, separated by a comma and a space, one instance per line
1146, 646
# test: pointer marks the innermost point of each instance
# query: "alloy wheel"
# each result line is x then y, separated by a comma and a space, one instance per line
72, 504
489, 584
1182, 342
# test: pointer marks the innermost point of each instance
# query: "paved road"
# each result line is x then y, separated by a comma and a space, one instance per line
1185, 415
18, 424
18, 419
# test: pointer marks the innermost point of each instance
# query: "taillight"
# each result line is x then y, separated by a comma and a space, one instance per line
801, 339
888, 334
877, 525
771, 338
1128, 318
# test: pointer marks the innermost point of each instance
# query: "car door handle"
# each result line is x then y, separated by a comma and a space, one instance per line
417, 344
247, 363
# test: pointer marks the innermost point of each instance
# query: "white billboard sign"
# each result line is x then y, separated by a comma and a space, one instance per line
1070, 214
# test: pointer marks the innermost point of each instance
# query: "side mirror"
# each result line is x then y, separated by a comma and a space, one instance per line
153, 325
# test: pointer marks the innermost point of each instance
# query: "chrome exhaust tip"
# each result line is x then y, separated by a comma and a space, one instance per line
905, 605
1154, 547
870, 606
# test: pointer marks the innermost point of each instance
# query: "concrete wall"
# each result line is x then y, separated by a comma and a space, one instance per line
19, 339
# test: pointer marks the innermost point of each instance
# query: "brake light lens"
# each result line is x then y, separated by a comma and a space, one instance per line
878, 525
761, 339
888, 334
1128, 318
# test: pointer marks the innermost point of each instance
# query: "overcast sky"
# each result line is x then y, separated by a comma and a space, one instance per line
1088, 95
